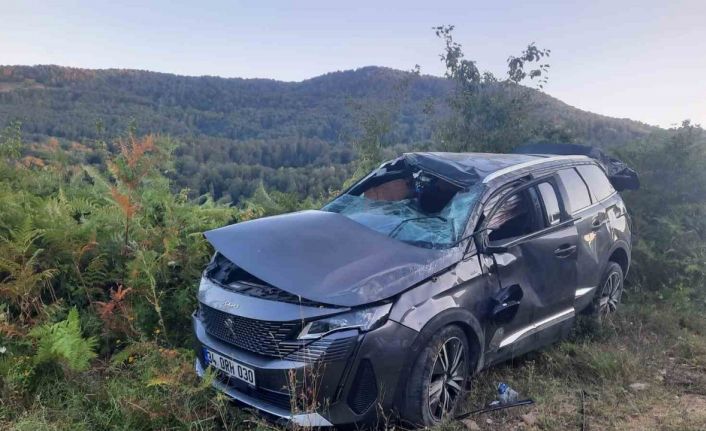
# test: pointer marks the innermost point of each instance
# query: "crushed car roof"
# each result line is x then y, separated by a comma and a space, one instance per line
466, 169
620, 174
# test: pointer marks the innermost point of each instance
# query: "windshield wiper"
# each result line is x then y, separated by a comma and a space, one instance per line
399, 225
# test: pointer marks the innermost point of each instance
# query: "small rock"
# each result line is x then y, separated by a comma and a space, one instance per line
530, 418
637, 387
489, 421
470, 425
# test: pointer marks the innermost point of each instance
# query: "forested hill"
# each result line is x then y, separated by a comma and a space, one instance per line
293, 136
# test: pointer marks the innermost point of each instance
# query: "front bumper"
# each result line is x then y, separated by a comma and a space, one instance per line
302, 419
343, 388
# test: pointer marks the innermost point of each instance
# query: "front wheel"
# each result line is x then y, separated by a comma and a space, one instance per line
438, 379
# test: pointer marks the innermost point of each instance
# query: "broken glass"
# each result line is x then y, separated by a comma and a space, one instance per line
405, 221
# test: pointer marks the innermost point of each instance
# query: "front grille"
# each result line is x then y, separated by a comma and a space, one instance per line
364, 390
258, 336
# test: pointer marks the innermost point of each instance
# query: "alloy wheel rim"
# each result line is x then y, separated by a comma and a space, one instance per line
612, 292
447, 378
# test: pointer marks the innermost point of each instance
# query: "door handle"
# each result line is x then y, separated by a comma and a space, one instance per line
565, 251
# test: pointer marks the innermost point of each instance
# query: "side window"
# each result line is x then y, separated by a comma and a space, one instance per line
517, 216
574, 191
551, 203
598, 184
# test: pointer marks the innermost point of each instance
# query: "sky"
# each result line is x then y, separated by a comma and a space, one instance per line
644, 60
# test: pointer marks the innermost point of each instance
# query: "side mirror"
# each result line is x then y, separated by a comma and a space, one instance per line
480, 238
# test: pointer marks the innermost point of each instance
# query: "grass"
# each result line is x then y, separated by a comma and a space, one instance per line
580, 384
585, 383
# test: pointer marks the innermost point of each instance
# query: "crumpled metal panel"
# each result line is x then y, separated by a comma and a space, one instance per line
326, 257
464, 169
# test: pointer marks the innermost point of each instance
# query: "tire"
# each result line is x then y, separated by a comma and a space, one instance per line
609, 293
430, 382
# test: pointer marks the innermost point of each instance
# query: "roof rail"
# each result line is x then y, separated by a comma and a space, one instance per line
518, 166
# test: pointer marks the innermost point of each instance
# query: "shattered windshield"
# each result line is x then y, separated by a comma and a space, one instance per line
434, 216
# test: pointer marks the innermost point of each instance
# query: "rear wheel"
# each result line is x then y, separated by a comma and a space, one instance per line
437, 383
607, 298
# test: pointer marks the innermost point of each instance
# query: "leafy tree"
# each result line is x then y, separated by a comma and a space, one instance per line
669, 210
488, 113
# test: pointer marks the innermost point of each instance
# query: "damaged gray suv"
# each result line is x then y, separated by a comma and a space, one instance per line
430, 269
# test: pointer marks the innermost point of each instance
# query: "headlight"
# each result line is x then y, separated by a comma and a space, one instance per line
365, 320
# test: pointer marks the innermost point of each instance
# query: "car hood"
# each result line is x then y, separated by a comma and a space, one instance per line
328, 258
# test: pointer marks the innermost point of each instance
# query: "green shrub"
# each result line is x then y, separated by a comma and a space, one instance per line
669, 210
63, 342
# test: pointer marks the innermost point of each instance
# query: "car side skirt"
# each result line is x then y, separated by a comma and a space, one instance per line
537, 327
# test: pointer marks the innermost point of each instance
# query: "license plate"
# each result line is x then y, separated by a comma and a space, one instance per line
230, 367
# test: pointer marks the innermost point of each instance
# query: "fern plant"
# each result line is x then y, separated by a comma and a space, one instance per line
21, 282
63, 342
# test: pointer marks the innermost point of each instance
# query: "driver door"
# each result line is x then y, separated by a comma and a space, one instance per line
532, 242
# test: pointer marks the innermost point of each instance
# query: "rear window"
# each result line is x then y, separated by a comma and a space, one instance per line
574, 191
597, 182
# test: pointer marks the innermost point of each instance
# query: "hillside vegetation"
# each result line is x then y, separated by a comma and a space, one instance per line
101, 249
296, 137
98, 275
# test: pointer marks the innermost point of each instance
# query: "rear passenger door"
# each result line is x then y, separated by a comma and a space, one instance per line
582, 190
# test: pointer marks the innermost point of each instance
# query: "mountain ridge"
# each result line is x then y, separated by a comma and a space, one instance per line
237, 132
327, 75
